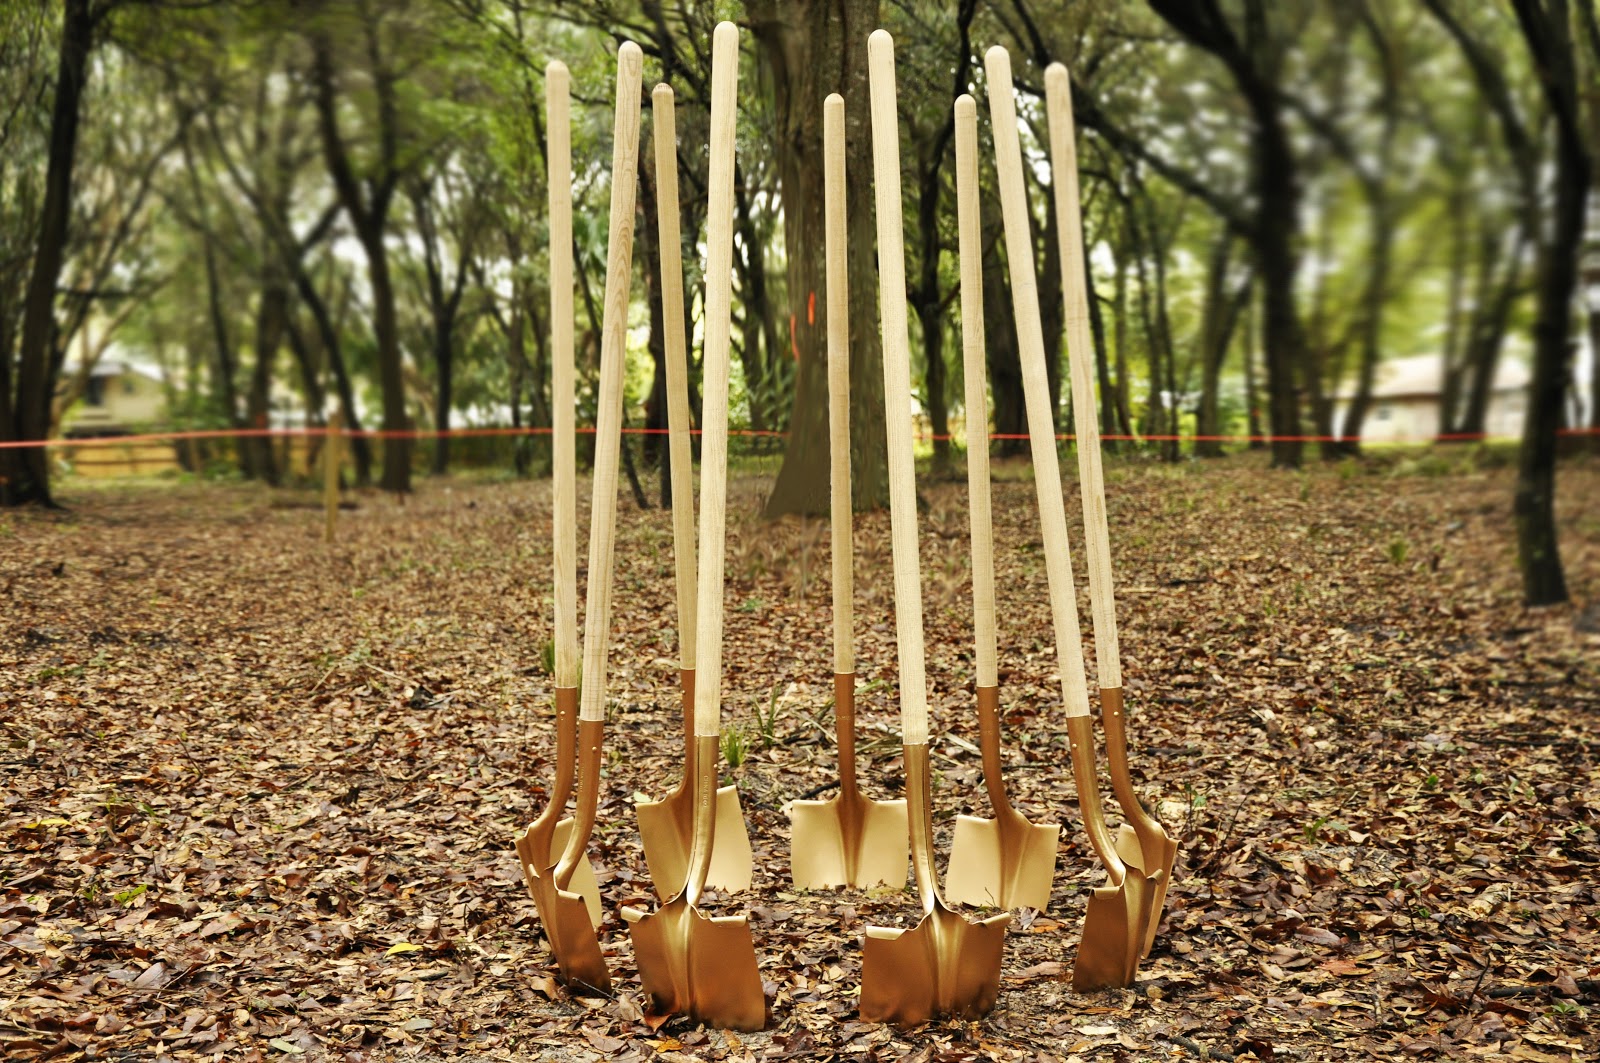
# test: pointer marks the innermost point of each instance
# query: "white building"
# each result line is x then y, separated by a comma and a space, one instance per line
1406, 401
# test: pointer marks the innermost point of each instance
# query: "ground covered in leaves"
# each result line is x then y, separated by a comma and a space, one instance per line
260, 790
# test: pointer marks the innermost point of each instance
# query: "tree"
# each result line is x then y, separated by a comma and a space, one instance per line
1255, 60
812, 48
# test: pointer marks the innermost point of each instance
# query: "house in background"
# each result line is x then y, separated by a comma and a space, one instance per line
113, 399
1407, 393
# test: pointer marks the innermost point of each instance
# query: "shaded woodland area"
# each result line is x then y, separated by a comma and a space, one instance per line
296, 206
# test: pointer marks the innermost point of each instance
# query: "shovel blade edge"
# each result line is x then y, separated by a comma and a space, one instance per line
697, 965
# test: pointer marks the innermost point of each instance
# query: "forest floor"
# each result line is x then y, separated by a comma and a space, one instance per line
260, 791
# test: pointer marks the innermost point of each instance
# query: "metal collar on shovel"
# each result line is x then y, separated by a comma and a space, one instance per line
944, 965
1113, 934
542, 843
1005, 862
849, 840
567, 919
1142, 842
690, 963
667, 826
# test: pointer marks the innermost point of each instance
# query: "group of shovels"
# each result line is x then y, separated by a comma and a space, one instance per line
704, 966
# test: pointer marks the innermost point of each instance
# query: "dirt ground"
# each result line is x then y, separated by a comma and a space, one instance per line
261, 790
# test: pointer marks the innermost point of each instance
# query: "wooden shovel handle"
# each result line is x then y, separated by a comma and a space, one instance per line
1036, 391
970, 246
563, 432
613, 352
840, 505
1080, 352
897, 390
679, 421
714, 411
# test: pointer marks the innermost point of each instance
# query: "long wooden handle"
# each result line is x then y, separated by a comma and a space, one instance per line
613, 352
1080, 353
563, 438
1035, 384
841, 507
714, 410
969, 242
897, 390
679, 423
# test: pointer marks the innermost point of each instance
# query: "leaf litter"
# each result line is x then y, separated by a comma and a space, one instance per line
262, 789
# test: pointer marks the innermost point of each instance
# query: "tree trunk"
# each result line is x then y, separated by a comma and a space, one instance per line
444, 359
271, 314
1548, 35
1375, 295
1216, 331
391, 378
1000, 338
812, 48
25, 473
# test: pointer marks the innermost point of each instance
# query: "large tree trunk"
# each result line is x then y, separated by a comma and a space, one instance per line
25, 473
1216, 331
1548, 34
391, 378
812, 48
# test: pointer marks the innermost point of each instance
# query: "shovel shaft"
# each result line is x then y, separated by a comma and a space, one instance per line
970, 241
897, 391
919, 814
563, 441
1114, 719
839, 503
844, 730
705, 817
989, 746
679, 420
1080, 732
1036, 393
591, 735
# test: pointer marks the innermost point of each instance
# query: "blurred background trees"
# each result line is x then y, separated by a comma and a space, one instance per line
288, 207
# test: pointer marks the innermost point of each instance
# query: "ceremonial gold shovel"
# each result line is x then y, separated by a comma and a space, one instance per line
667, 826
1005, 862
849, 840
944, 965
692, 964
567, 920
540, 846
1142, 842
1113, 929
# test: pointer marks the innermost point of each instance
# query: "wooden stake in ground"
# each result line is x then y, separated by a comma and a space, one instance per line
1142, 842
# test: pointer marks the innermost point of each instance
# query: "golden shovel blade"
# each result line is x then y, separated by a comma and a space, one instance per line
667, 826
848, 840
1143, 843
1005, 862
569, 922
539, 856
690, 963
698, 965
942, 966
1113, 926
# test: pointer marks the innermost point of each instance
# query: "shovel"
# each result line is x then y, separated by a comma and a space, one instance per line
541, 844
849, 840
667, 826
693, 964
1005, 862
944, 965
1113, 929
568, 921
1142, 842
